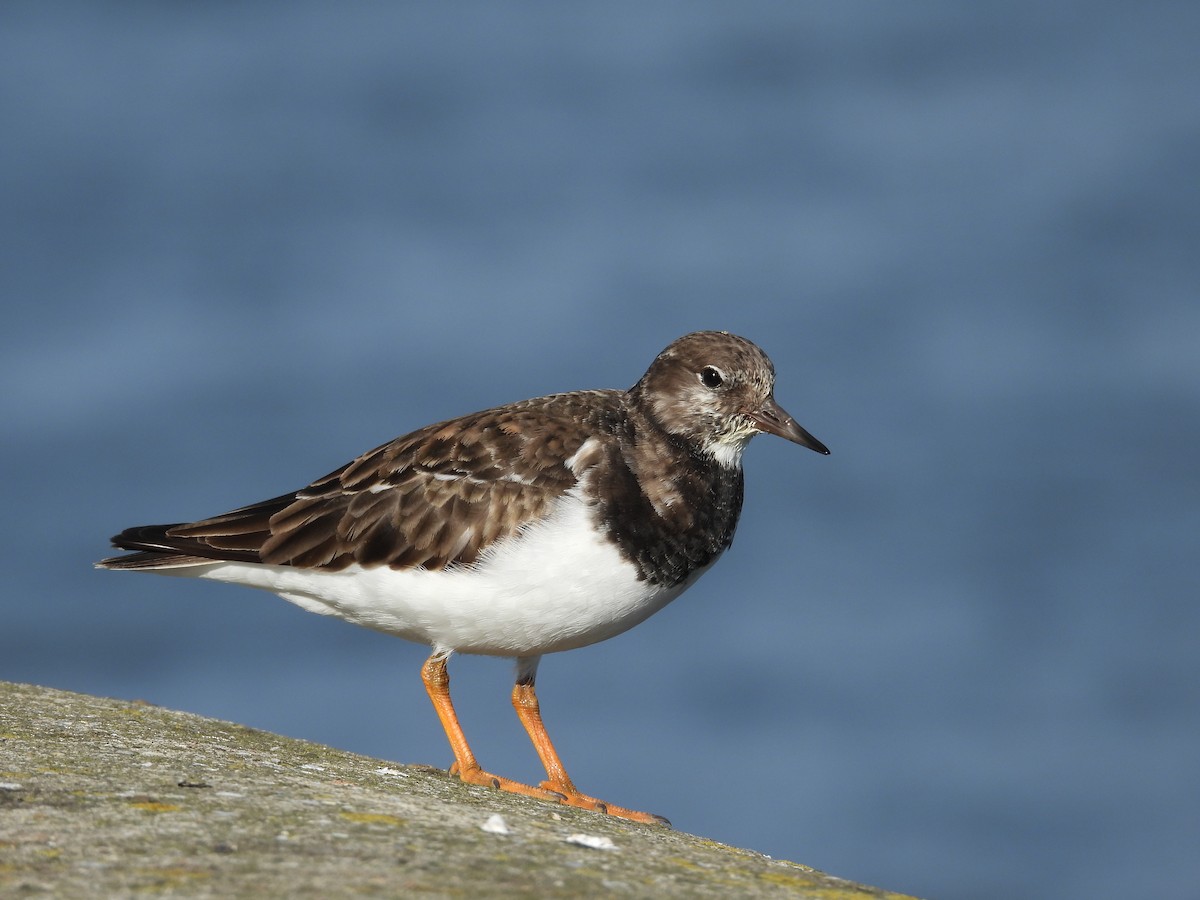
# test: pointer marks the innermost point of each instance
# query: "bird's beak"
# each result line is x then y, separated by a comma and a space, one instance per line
773, 419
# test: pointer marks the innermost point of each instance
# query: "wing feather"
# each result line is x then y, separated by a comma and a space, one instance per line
434, 498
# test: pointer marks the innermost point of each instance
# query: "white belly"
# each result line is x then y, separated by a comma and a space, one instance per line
559, 585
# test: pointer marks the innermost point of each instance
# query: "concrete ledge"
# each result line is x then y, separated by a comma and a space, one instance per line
107, 798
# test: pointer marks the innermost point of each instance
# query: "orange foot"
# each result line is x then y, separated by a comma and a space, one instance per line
572, 797
476, 775
566, 795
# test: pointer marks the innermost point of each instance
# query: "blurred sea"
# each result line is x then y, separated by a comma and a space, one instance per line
240, 244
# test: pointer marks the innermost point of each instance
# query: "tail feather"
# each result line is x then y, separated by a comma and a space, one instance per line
147, 560
157, 548
234, 536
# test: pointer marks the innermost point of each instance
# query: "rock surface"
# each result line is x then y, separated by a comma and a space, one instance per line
106, 798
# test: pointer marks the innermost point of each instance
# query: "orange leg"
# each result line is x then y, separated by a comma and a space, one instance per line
525, 702
557, 787
437, 684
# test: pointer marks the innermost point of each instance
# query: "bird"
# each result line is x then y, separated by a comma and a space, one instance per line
530, 528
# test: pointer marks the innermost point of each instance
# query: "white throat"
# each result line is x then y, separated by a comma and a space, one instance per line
728, 452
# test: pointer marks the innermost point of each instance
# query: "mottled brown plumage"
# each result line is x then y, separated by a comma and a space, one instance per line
442, 495
432, 498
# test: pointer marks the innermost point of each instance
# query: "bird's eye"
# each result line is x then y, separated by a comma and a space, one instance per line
711, 377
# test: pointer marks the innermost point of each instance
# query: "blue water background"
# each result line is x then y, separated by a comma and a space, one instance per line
958, 658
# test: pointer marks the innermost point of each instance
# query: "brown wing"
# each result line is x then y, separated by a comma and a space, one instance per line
433, 498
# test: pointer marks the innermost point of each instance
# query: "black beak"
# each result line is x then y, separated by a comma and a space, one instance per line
773, 419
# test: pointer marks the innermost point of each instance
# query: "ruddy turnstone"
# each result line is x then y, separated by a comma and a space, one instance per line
518, 531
